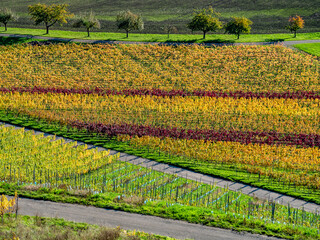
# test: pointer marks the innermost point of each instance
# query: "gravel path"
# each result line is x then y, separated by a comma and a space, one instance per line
235, 186
285, 43
113, 218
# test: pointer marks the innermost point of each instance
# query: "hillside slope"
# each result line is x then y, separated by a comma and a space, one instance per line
268, 16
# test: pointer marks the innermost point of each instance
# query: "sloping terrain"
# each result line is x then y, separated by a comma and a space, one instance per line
268, 16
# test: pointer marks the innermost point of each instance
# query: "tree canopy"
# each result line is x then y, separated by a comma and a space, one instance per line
238, 25
6, 15
295, 23
205, 20
87, 20
129, 21
49, 14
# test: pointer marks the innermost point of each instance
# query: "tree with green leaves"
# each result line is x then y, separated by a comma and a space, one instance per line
6, 15
49, 14
295, 23
205, 20
238, 25
129, 21
87, 20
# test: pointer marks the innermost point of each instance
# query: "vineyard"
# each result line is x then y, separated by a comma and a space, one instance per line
38, 160
189, 68
249, 113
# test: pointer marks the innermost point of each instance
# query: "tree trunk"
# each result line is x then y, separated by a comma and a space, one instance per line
88, 31
238, 35
5, 26
204, 34
49, 25
127, 33
295, 34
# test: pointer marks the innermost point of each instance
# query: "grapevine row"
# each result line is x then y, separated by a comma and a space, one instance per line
165, 93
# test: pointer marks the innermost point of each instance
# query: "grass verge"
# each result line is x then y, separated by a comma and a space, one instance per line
188, 38
27, 227
311, 48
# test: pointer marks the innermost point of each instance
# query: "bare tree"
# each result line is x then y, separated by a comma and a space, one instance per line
87, 20
128, 21
6, 15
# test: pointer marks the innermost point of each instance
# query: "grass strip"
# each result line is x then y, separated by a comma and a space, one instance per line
311, 48
186, 38
29, 227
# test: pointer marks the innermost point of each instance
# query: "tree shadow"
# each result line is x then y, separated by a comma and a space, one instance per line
216, 41
4, 41
275, 40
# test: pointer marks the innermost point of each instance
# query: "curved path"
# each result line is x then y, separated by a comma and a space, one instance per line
285, 43
235, 186
113, 218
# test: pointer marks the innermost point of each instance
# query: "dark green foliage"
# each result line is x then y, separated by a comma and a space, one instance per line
238, 26
205, 20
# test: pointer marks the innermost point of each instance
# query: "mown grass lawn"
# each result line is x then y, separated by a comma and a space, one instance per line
192, 38
311, 48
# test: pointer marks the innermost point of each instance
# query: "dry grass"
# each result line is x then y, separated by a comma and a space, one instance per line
32, 187
80, 193
132, 200
39, 228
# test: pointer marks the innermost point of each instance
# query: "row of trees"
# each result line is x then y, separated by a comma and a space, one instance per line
49, 15
58, 13
204, 20
207, 20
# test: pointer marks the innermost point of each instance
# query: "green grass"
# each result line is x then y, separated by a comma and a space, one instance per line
311, 48
27, 227
191, 38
